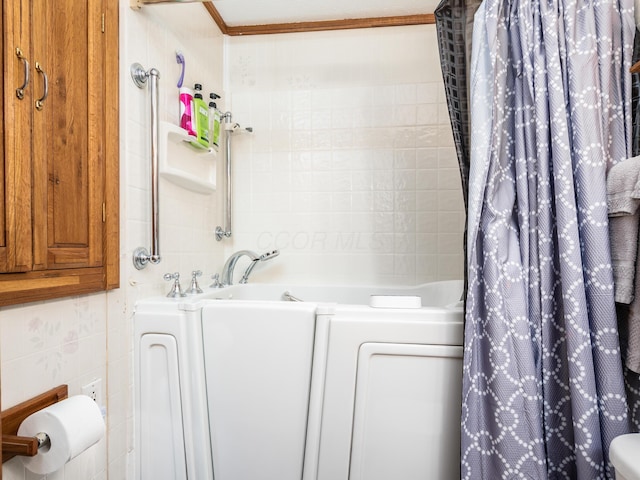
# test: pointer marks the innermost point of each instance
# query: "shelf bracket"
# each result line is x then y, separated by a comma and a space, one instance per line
137, 4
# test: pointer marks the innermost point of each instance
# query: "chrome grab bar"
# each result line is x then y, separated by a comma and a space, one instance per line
226, 231
141, 257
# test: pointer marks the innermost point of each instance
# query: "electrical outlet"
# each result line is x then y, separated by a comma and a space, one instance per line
94, 390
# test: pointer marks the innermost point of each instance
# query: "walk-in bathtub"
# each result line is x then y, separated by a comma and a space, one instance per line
249, 383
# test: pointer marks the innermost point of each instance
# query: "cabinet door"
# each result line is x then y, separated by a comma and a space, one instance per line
3, 163
68, 149
59, 211
15, 142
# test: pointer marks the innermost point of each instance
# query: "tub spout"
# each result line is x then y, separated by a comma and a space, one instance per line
262, 258
230, 264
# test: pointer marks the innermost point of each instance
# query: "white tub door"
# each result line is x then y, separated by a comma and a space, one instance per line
258, 359
407, 412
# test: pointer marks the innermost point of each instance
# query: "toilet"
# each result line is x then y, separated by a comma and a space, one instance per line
624, 452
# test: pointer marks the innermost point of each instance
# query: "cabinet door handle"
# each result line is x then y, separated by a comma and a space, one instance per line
40, 101
20, 90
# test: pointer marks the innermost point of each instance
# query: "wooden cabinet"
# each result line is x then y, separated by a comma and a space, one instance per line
59, 149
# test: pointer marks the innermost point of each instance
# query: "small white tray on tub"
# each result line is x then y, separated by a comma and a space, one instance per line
395, 301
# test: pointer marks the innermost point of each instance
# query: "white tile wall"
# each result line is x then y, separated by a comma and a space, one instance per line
151, 37
46, 344
351, 170
67, 341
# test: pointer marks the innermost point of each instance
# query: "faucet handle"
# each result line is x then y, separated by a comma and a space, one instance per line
195, 288
216, 281
176, 289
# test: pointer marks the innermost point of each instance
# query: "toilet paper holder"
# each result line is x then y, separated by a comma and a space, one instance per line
12, 444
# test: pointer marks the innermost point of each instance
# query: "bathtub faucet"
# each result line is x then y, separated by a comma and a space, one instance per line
230, 264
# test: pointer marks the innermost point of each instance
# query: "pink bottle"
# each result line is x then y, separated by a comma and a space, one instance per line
186, 110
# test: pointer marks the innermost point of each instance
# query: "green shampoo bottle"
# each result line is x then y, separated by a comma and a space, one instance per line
201, 118
214, 122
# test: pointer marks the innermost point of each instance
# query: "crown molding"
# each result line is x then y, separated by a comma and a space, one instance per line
319, 26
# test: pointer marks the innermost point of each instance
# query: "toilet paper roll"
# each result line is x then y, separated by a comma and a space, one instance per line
73, 425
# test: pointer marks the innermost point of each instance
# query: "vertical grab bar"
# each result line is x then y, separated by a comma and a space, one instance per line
141, 257
226, 232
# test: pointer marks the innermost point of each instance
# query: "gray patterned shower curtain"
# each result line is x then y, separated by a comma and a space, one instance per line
543, 392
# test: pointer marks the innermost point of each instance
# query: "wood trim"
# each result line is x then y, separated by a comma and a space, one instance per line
216, 16
97, 139
635, 68
319, 26
16, 288
328, 25
111, 241
138, 4
3, 183
15, 445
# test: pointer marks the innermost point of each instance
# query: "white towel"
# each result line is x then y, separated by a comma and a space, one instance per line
633, 330
623, 199
623, 235
623, 188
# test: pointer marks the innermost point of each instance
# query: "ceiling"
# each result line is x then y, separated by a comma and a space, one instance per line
261, 12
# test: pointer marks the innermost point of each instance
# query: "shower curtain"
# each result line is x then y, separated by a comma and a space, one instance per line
454, 23
543, 392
